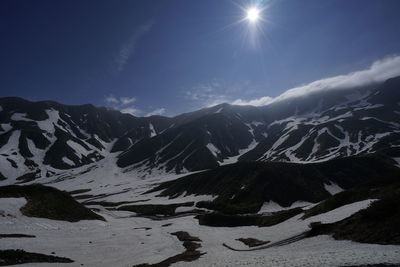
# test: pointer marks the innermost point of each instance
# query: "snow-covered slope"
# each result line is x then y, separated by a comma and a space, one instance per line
45, 138
126, 240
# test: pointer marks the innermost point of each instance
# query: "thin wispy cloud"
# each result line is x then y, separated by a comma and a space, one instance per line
127, 49
379, 71
159, 111
205, 99
214, 92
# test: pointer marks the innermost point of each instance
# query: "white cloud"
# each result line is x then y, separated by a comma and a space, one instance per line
379, 71
122, 101
262, 101
127, 100
158, 111
123, 104
128, 48
131, 110
112, 100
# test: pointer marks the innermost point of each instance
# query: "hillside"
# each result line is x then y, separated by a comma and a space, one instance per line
245, 186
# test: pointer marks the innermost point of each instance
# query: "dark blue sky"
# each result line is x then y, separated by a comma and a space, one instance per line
180, 55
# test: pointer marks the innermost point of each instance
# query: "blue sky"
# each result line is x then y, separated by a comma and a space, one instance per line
172, 56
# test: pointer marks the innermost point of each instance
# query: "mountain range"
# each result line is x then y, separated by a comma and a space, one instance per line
293, 179
43, 139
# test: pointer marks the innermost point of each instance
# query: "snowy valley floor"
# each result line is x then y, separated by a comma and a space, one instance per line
127, 240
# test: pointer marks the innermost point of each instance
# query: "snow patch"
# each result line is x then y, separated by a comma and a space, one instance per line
6, 127
214, 150
219, 110
79, 149
333, 188
398, 161
10, 151
342, 212
183, 209
68, 161
19, 117
48, 124
257, 123
271, 206
152, 130
12, 206
234, 159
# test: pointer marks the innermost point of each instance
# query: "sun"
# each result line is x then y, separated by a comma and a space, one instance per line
253, 14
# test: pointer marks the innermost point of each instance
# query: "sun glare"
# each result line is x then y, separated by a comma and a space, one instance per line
253, 14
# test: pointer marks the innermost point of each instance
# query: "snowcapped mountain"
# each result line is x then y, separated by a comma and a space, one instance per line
46, 138
331, 124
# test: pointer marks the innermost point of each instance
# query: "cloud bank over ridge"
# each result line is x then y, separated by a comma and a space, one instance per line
379, 71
